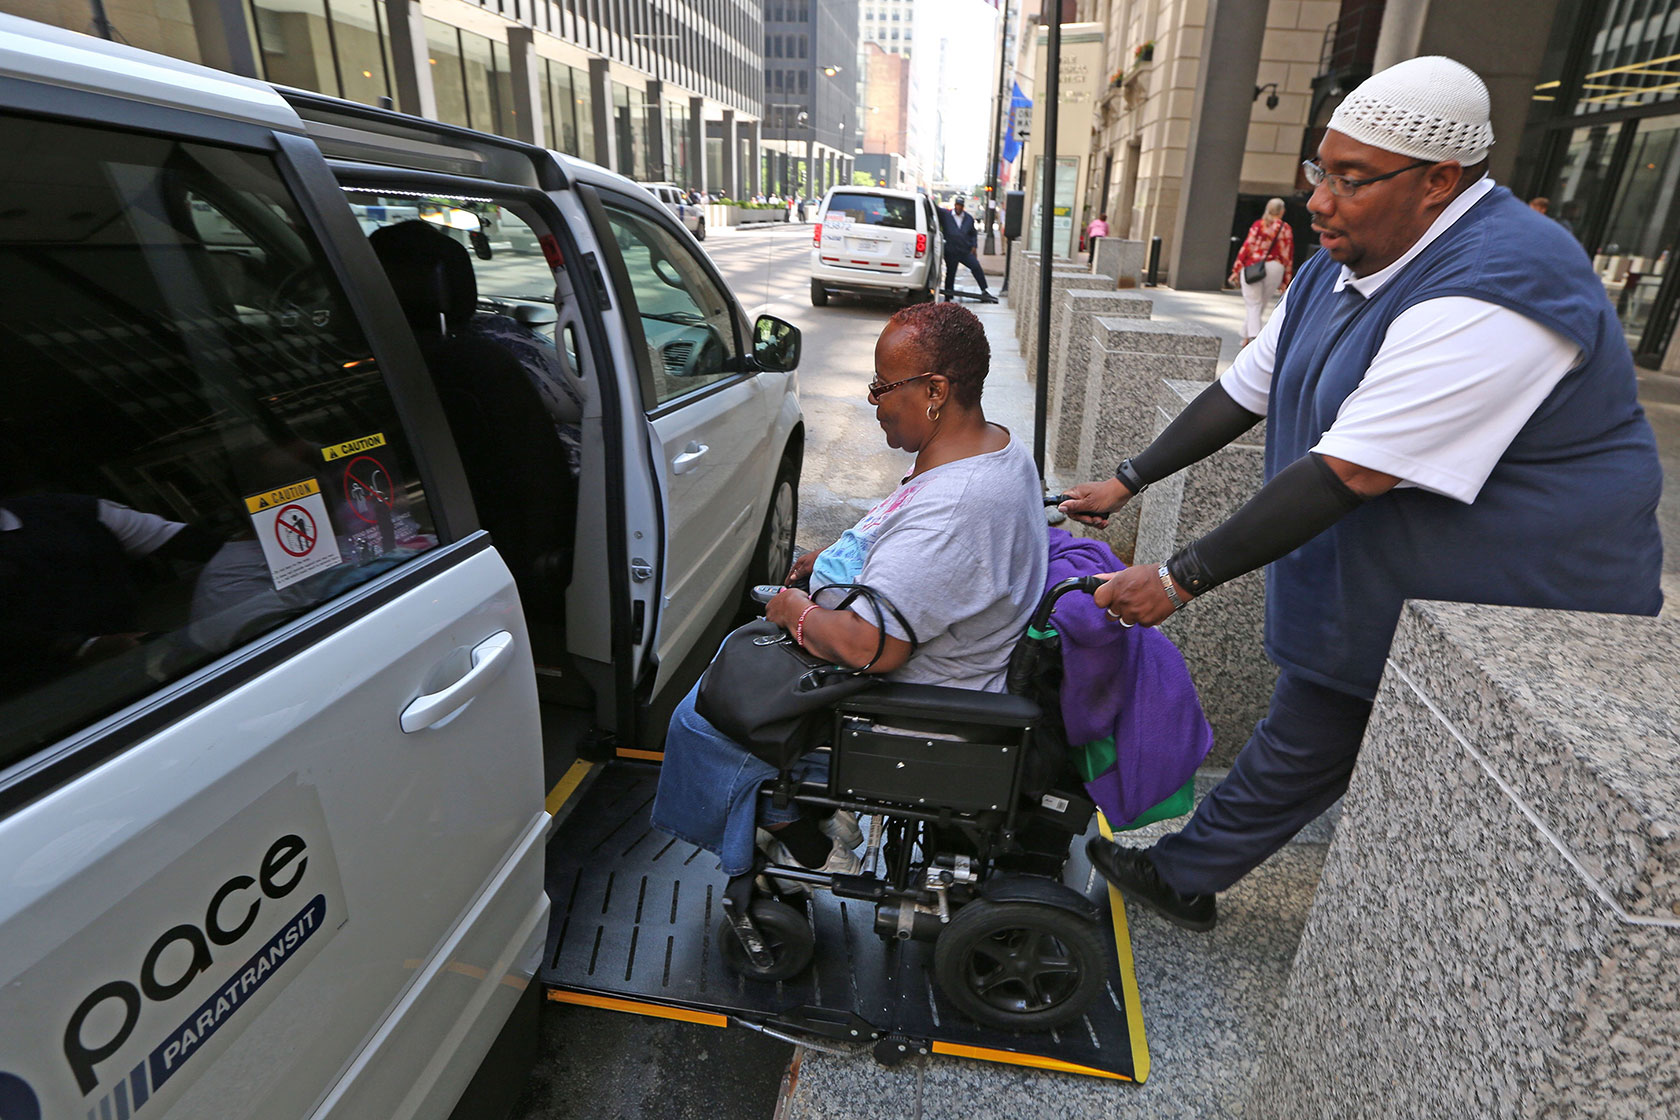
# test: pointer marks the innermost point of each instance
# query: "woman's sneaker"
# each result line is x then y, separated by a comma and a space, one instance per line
842, 828
841, 861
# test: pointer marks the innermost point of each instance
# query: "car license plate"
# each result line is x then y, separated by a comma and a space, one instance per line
867, 245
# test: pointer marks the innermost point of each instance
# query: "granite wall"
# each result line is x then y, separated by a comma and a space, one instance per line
1121, 259
1061, 282
1497, 929
1221, 632
1129, 358
1071, 368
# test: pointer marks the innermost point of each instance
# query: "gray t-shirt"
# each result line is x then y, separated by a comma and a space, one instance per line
961, 551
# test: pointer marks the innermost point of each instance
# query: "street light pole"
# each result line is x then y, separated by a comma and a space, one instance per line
1046, 223
997, 130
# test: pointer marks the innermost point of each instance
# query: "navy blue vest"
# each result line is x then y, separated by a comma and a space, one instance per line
1568, 517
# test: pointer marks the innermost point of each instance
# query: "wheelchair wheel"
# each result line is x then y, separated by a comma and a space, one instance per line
786, 933
1019, 966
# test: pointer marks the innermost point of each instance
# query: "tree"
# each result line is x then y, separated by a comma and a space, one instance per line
862, 179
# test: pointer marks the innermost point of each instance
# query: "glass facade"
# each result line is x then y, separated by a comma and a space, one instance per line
1602, 147
630, 130
337, 47
449, 83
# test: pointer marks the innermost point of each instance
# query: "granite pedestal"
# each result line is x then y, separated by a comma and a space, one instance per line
1121, 259
1070, 370
1129, 357
1061, 282
1497, 930
1023, 288
1221, 632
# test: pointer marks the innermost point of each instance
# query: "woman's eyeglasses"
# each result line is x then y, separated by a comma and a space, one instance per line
1343, 187
879, 388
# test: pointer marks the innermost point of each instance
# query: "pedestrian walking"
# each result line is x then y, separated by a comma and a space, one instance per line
1264, 265
1451, 413
1097, 228
957, 229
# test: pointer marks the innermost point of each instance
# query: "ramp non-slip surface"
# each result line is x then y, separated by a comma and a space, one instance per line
636, 917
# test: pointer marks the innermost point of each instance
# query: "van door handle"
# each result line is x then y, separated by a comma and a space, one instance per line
489, 658
691, 454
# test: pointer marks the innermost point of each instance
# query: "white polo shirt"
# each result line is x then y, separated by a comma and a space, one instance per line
1453, 383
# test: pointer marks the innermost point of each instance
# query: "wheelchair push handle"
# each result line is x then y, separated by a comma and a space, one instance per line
1047, 605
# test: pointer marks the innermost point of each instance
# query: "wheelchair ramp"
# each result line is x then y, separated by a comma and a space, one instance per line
635, 928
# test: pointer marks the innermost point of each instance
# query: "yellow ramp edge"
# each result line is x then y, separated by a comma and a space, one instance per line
1128, 972
637, 1007
566, 786
1009, 1057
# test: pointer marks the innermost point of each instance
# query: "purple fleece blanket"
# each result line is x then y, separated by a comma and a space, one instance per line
1129, 684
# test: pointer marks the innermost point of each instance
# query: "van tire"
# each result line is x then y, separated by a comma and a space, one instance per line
700, 230
772, 555
819, 294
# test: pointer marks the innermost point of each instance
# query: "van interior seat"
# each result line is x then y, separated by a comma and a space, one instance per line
516, 467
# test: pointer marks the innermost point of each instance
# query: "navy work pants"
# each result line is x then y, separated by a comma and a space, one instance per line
1293, 767
973, 263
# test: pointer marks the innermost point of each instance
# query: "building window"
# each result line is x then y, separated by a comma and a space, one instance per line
443, 51
294, 44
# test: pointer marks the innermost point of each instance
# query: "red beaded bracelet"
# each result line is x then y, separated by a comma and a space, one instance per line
799, 627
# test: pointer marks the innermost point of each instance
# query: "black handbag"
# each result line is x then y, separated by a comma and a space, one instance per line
773, 696
1256, 272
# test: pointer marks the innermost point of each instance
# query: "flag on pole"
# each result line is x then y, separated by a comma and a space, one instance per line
1019, 106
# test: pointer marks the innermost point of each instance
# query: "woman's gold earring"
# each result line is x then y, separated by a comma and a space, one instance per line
932, 414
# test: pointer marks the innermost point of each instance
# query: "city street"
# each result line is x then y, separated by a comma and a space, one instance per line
848, 466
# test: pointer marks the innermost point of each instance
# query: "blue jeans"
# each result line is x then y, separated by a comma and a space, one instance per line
708, 788
1293, 767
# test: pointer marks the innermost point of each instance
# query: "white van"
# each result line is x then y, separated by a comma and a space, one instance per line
311, 585
875, 241
675, 199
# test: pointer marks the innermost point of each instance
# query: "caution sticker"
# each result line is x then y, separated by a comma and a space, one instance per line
353, 447
292, 527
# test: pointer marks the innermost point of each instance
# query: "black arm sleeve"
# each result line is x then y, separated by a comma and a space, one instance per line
1207, 423
1303, 500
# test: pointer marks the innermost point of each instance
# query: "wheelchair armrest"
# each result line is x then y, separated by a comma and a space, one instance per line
935, 701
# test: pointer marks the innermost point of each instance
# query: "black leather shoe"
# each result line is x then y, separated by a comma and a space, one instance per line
1133, 873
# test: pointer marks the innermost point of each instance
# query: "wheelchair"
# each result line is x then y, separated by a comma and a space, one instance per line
972, 808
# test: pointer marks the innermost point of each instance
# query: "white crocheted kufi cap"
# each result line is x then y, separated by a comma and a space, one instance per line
1428, 108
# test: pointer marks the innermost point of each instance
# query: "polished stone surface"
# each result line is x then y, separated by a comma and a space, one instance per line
1122, 259
1129, 357
1061, 282
1220, 632
1498, 929
1070, 370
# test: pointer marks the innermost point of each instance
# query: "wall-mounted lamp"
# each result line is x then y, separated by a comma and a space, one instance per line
1271, 98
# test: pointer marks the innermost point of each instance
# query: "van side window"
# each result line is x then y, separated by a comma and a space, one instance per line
196, 442
685, 317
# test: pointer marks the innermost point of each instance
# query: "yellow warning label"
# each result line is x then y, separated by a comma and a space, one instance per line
353, 447
256, 503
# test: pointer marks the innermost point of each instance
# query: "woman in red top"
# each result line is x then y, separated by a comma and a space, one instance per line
1270, 240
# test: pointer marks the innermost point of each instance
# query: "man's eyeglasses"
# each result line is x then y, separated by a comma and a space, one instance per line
879, 388
1343, 187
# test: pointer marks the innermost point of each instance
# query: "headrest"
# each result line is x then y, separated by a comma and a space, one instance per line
431, 272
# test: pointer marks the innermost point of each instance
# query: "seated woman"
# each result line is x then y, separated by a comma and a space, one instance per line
960, 548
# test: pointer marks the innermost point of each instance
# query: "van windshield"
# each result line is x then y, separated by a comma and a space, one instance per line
873, 210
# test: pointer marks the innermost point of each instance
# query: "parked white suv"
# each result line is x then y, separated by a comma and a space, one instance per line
675, 199
341, 498
875, 241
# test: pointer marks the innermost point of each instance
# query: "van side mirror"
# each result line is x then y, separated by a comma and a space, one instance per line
775, 344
